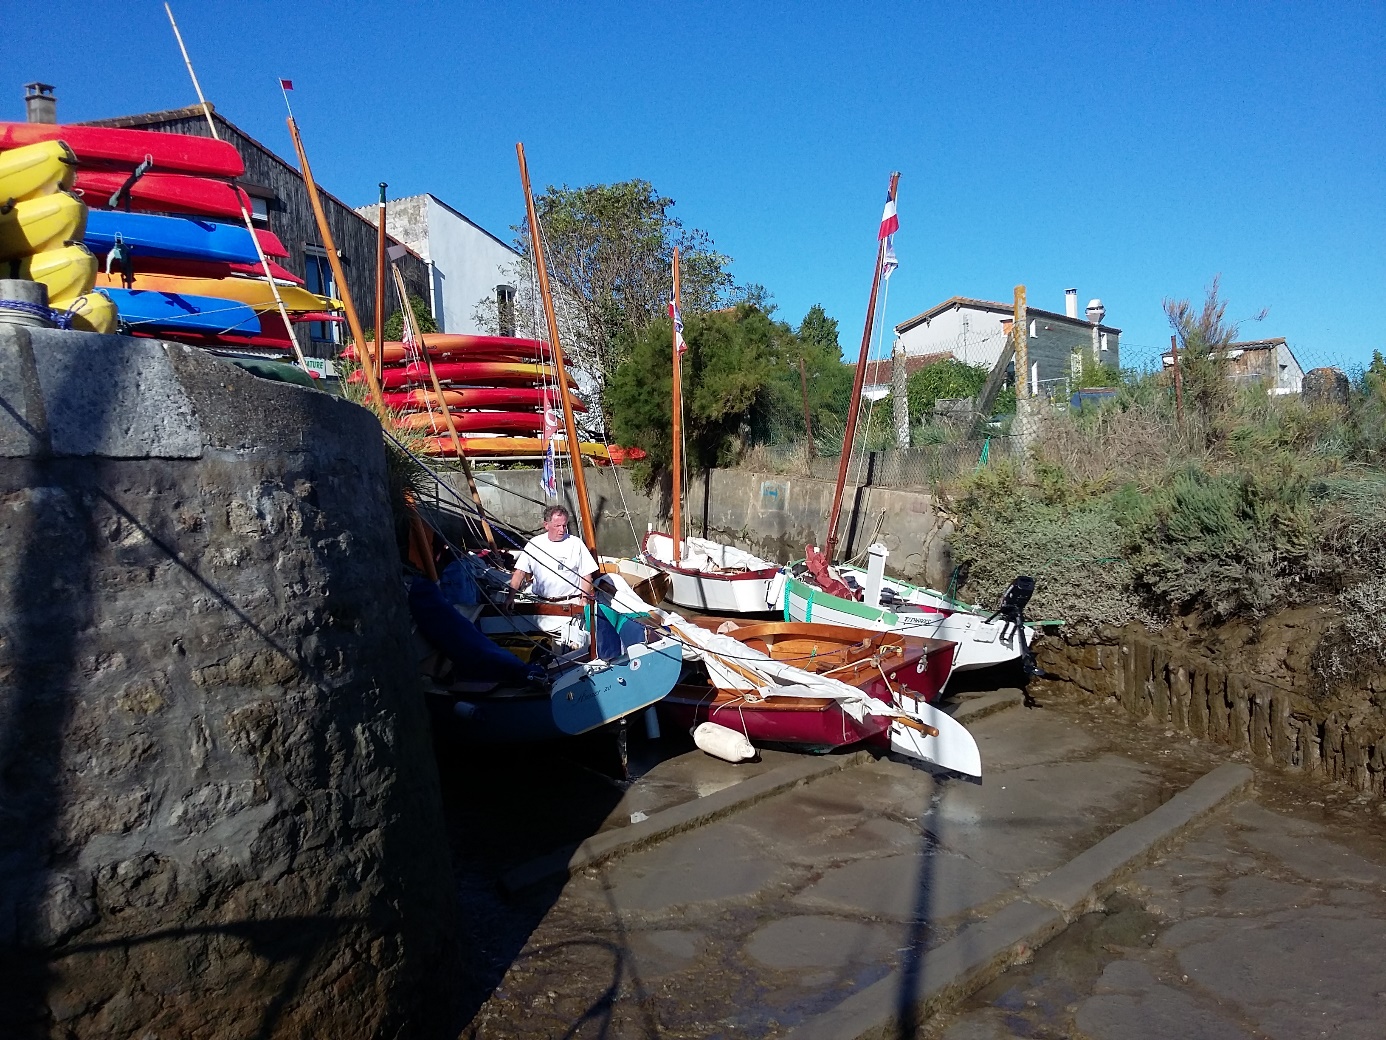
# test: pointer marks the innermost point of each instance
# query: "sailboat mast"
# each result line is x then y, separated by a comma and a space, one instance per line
858, 382
677, 489
589, 533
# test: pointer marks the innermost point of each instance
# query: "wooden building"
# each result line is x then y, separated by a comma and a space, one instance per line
281, 205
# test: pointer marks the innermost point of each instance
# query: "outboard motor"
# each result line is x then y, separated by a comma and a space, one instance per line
1011, 611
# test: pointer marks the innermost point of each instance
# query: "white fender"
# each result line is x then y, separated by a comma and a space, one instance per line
721, 742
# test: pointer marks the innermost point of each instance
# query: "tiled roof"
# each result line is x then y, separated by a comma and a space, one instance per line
878, 373
991, 305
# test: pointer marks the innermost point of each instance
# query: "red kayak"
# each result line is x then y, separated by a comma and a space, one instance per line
446, 345
472, 373
272, 336
210, 269
473, 397
472, 422
104, 144
164, 193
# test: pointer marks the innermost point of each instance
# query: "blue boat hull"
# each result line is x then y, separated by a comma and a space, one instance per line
146, 309
583, 699
183, 238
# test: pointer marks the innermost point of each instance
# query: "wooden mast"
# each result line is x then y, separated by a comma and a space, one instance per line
330, 246
415, 336
857, 383
589, 533
677, 487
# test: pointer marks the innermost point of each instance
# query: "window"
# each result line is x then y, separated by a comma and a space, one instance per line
505, 309
318, 279
259, 211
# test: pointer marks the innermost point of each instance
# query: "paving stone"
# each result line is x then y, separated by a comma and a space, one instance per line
712, 863
817, 942
663, 952
1006, 744
936, 886
1307, 852
1125, 977
1159, 1013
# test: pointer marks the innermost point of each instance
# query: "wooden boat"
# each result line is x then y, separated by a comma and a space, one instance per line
445, 346
473, 373
151, 310
68, 271
129, 148
482, 446
256, 294
39, 224
705, 575
36, 169
470, 421
584, 695
146, 234
156, 192
472, 397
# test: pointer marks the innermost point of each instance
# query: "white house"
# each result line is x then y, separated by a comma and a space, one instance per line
466, 262
975, 332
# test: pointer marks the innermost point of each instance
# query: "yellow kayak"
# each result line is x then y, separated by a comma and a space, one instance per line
43, 223
90, 312
36, 169
254, 292
68, 272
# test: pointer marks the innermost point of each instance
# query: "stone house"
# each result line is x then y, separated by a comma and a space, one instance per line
976, 332
466, 263
1268, 361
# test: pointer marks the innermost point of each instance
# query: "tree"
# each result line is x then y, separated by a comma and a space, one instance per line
610, 250
423, 320
948, 378
1204, 338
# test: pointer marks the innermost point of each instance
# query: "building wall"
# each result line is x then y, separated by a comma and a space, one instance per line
467, 263
291, 216
977, 337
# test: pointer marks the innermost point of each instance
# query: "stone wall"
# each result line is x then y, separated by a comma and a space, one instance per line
772, 515
220, 811
1274, 721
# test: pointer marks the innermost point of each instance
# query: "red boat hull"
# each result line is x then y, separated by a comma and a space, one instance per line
104, 144
473, 422
164, 193
824, 725
466, 372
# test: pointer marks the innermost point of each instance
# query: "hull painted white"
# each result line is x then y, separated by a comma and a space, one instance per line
722, 595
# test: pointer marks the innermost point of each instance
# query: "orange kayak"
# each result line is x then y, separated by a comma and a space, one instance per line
481, 447
251, 291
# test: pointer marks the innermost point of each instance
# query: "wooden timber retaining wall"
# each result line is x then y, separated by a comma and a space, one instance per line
1270, 723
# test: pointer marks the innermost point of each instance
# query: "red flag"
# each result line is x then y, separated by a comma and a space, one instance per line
286, 84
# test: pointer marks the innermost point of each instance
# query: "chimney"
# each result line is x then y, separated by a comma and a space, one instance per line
1071, 302
40, 106
1096, 312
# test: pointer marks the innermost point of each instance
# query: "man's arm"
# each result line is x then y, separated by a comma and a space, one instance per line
517, 578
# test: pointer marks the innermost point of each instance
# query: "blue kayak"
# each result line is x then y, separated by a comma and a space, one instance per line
148, 309
183, 238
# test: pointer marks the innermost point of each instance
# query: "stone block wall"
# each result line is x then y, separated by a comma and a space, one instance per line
1272, 724
220, 811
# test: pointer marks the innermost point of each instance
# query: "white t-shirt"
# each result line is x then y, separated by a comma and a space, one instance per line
558, 567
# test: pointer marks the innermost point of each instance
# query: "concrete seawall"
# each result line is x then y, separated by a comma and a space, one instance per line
773, 515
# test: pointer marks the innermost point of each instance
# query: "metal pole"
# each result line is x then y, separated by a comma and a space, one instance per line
380, 288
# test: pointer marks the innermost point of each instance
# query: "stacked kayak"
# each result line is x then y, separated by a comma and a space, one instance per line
40, 224
496, 389
163, 220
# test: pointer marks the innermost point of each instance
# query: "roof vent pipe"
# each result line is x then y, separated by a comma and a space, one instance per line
1096, 312
1071, 302
40, 106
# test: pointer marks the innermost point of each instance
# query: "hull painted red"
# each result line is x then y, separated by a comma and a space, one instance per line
473, 397
466, 372
164, 193
121, 147
826, 727
473, 422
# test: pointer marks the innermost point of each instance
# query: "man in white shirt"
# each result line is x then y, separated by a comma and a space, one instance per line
562, 569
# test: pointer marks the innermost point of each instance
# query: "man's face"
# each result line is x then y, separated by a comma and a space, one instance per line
557, 527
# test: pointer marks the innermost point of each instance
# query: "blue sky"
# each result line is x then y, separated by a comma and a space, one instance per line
1131, 150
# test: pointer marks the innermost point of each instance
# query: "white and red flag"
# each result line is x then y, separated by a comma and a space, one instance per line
890, 222
677, 318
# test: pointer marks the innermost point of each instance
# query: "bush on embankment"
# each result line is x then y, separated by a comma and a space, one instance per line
1255, 504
